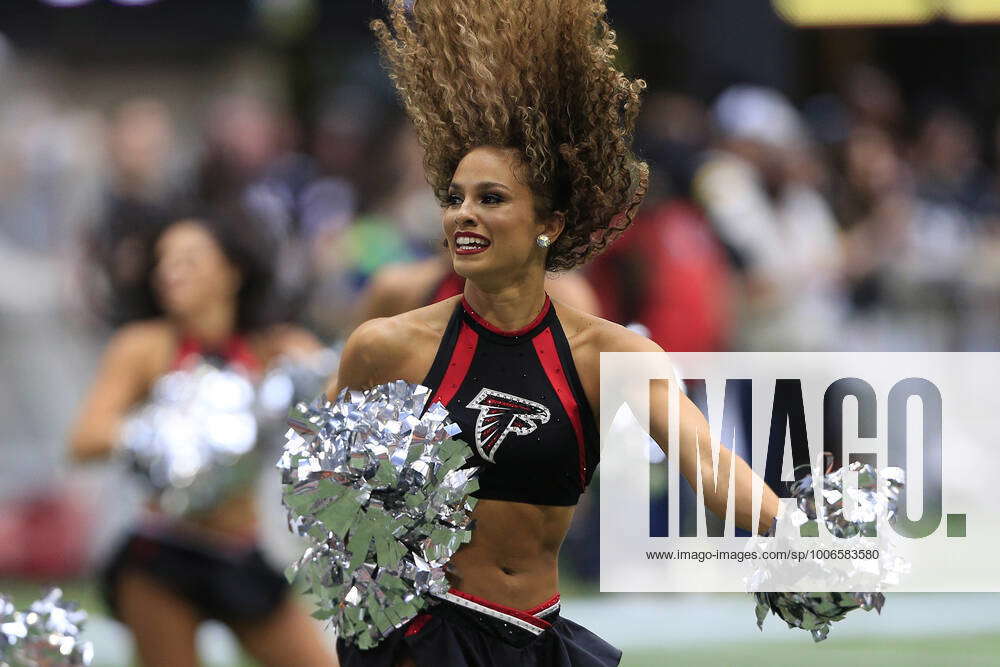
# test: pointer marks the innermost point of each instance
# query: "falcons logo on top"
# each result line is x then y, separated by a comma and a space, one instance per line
501, 414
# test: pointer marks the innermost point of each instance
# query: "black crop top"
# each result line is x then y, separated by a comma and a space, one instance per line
521, 406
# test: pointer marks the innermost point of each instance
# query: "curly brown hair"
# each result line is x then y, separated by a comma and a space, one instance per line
536, 75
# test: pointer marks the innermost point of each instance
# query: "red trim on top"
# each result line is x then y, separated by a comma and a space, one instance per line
554, 600
548, 357
235, 350
520, 332
188, 348
239, 350
461, 359
510, 611
417, 624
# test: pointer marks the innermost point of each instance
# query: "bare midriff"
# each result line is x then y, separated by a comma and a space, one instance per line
232, 520
513, 557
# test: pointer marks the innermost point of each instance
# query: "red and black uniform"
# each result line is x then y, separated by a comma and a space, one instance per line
235, 353
522, 409
226, 579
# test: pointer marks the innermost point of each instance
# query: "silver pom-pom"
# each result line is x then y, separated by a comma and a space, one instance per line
194, 441
206, 430
291, 379
380, 490
876, 497
814, 611
874, 502
46, 635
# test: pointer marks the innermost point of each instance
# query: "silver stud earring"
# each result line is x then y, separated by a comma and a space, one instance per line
543, 241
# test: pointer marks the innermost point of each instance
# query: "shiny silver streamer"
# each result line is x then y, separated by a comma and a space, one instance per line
292, 379
875, 501
46, 635
379, 489
198, 439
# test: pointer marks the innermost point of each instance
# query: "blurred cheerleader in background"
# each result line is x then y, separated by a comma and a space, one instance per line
201, 296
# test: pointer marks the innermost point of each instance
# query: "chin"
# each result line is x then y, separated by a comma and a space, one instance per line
176, 307
470, 266
484, 274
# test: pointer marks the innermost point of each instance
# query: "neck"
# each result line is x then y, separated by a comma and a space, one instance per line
213, 325
510, 307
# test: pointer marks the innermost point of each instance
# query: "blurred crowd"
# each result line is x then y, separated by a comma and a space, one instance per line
851, 220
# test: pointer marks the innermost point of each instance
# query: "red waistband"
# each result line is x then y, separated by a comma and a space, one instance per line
534, 616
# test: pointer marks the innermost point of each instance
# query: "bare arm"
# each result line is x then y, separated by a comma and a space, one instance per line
372, 355
121, 382
696, 457
696, 449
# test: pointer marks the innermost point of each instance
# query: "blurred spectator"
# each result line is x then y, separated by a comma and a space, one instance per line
873, 98
140, 142
243, 137
347, 123
873, 204
143, 176
759, 187
669, 274
117, 258
250, 162
946, 161
407, 198
672, 134
906, 247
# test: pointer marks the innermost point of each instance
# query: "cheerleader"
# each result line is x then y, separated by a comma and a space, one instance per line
526, 126
205, 285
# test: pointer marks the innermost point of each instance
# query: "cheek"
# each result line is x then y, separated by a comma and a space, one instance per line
518, 229
212, 269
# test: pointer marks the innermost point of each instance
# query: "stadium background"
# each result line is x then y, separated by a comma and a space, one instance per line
885, 171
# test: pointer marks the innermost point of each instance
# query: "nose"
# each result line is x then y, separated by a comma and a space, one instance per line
466, 215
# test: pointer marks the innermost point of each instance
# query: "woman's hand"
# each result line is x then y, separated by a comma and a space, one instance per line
122, 380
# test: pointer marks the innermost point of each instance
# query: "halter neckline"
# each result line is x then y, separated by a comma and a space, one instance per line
480, 320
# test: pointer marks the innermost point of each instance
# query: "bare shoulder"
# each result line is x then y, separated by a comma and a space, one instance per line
589, 334
143, 349
144, 339
403, 329
286, 339
398, 347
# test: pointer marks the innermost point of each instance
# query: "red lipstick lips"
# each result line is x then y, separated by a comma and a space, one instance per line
470, 243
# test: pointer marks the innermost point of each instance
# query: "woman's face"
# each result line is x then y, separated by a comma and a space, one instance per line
490, 223
191, 272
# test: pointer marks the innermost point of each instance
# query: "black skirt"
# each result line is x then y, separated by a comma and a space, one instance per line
230, 585
461, 630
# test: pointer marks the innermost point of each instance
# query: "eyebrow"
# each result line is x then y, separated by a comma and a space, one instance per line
485, 185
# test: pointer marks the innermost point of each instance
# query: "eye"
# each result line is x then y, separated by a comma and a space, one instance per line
452, 200
492, 198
